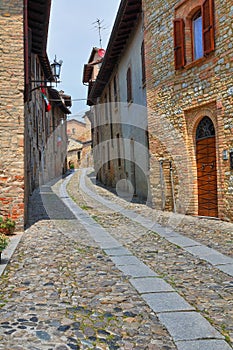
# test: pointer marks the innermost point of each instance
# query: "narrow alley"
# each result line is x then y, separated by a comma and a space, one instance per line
93, 271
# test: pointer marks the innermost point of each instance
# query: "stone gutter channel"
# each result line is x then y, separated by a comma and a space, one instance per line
188, 328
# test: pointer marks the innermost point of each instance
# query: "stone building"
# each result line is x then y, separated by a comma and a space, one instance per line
45, 136
27, 115
120, 141
79, 143
188, 89
189, 66
12, 109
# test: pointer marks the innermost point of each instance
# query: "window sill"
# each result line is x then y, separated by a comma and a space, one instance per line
197, 62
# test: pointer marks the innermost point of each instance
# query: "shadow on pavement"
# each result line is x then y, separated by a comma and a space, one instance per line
44, 204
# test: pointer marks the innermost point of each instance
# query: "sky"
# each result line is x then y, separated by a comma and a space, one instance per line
72, 35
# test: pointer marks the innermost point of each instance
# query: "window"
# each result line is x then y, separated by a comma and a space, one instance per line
79, 155
193, 32
197, 36
129, 85
118, 150
110, 109
106, 108
115, 90
205, 129
108, 156
143, 64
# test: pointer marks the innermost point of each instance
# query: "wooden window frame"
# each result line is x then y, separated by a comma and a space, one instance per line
115, 90
118, 150
183, 23
143, 64
106, 107
197, 14
129, 85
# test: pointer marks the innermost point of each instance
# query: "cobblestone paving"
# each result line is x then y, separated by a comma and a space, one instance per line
213, 233
61, 292
206, 288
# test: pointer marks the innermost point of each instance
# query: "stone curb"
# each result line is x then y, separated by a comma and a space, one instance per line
212, 256
9, 251
185, 325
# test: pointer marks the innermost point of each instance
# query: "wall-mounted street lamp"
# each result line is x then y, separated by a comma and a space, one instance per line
56, 69
54, 77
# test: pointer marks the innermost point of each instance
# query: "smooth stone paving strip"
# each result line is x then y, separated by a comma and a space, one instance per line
150, 285
180, 319
188, 326
58, 293
208, 289
220, 261
202, 345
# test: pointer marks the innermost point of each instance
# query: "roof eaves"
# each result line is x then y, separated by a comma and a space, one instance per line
126, 19
38, 22
58, 100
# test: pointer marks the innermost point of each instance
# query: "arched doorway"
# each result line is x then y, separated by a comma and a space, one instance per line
206, 168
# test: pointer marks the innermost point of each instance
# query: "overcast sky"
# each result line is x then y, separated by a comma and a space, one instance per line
72, 35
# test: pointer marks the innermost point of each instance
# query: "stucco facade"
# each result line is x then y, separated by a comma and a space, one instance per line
120, 140
187, 94
133, 115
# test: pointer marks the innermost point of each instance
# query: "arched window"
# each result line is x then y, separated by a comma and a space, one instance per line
205, 129
198, 28
129, 86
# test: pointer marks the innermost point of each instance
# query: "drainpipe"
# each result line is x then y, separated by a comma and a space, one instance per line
162, 183
172, 186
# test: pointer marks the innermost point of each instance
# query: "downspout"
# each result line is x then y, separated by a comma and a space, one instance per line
172, 186
162, 183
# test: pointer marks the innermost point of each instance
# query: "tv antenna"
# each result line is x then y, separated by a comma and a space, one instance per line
98, 25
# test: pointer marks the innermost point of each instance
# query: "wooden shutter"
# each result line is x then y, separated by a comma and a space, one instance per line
129, 86
208, 26
179, 43
143, 63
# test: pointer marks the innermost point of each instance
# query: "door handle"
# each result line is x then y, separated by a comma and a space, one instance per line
211, 165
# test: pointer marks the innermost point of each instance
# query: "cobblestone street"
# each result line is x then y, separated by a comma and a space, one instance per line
98, 275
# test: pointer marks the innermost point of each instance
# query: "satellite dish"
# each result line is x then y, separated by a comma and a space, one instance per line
101, 53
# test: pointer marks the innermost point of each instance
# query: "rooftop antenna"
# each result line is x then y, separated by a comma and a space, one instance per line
99, 26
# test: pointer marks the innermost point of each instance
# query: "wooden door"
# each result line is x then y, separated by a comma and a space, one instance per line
207, 175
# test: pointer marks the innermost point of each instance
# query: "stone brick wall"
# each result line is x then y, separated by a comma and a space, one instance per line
178, 99
80, 131
12, 111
